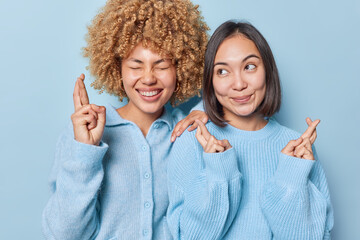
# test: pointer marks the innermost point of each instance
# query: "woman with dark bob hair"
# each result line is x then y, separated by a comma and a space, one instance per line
109, 175
243, 175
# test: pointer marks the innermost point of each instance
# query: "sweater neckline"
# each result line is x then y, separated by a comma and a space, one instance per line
113, 118
270, 128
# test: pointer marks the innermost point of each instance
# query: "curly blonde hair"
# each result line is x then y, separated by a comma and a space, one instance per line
172, 28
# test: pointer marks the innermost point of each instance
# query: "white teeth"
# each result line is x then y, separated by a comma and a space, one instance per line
149, 94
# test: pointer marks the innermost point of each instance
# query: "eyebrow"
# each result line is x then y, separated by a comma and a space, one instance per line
246, 58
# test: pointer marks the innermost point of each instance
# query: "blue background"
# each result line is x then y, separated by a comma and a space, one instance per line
315, 43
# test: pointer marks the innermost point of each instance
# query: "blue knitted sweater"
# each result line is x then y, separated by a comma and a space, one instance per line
251, 191
113, 191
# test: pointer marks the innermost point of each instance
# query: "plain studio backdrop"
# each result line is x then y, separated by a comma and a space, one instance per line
315, 43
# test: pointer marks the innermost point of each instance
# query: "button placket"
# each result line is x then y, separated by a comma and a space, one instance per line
147, 190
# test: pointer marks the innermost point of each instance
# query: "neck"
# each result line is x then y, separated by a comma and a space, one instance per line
252, 122
142, 119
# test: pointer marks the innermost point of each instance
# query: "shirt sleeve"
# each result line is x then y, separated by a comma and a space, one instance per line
74, 182
204, 191
296, 201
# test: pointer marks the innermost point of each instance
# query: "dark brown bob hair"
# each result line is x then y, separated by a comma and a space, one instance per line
272, 100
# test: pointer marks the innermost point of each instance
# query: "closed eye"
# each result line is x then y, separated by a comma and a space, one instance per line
162, 68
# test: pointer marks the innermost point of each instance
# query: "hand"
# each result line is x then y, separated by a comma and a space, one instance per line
186, 122
209, 143
301, 147
88, 119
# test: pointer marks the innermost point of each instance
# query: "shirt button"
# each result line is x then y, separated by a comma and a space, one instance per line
145, 232
156, 125
147, 175
144, 148
147, 205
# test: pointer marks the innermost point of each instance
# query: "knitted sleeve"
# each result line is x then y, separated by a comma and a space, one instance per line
296, 201
75, 181
204, 190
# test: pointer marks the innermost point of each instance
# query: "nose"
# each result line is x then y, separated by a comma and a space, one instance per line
239, 82
148, 77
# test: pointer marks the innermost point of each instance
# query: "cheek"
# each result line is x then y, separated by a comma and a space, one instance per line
168, 78
130, 78
221, 87
259, 82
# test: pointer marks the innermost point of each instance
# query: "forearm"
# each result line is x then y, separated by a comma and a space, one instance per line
206, 208
293, 206
71, 211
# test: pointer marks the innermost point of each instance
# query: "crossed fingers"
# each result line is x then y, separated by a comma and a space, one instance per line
209, 143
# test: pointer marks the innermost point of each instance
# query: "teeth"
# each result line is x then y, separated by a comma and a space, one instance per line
149, 94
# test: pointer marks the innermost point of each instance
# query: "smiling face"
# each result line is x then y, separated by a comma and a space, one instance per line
149, 80
238, 77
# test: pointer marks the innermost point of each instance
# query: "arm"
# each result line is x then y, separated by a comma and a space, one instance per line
204, 190
75, 182
296, 201
78, 173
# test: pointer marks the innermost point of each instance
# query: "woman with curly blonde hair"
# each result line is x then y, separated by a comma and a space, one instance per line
109, 175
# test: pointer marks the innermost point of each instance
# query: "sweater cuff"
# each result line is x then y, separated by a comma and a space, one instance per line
221, 166
293, 171
87, 153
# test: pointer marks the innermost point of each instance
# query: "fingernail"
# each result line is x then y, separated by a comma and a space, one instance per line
172, 138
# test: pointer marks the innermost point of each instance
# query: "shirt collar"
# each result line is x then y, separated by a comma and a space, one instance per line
113, 118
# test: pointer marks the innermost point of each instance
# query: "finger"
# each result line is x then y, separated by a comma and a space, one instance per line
308, 145
176, 128
205, 119
311, 128
198, 115
83, 93
290, 147
101, 112
299, 152
92, 124
200, 138
184, 125
94, 110
212, 146
76, 96
203, 129
308, 121
225, 143
193, 127
313, 137
217, 148
308, 155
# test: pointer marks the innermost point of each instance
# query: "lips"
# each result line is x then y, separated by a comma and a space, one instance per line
150, 95
242, 99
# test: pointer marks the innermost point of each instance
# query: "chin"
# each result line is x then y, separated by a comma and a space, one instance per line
152, 109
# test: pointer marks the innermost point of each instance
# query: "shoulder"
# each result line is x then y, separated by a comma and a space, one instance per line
283, 131
176, 114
